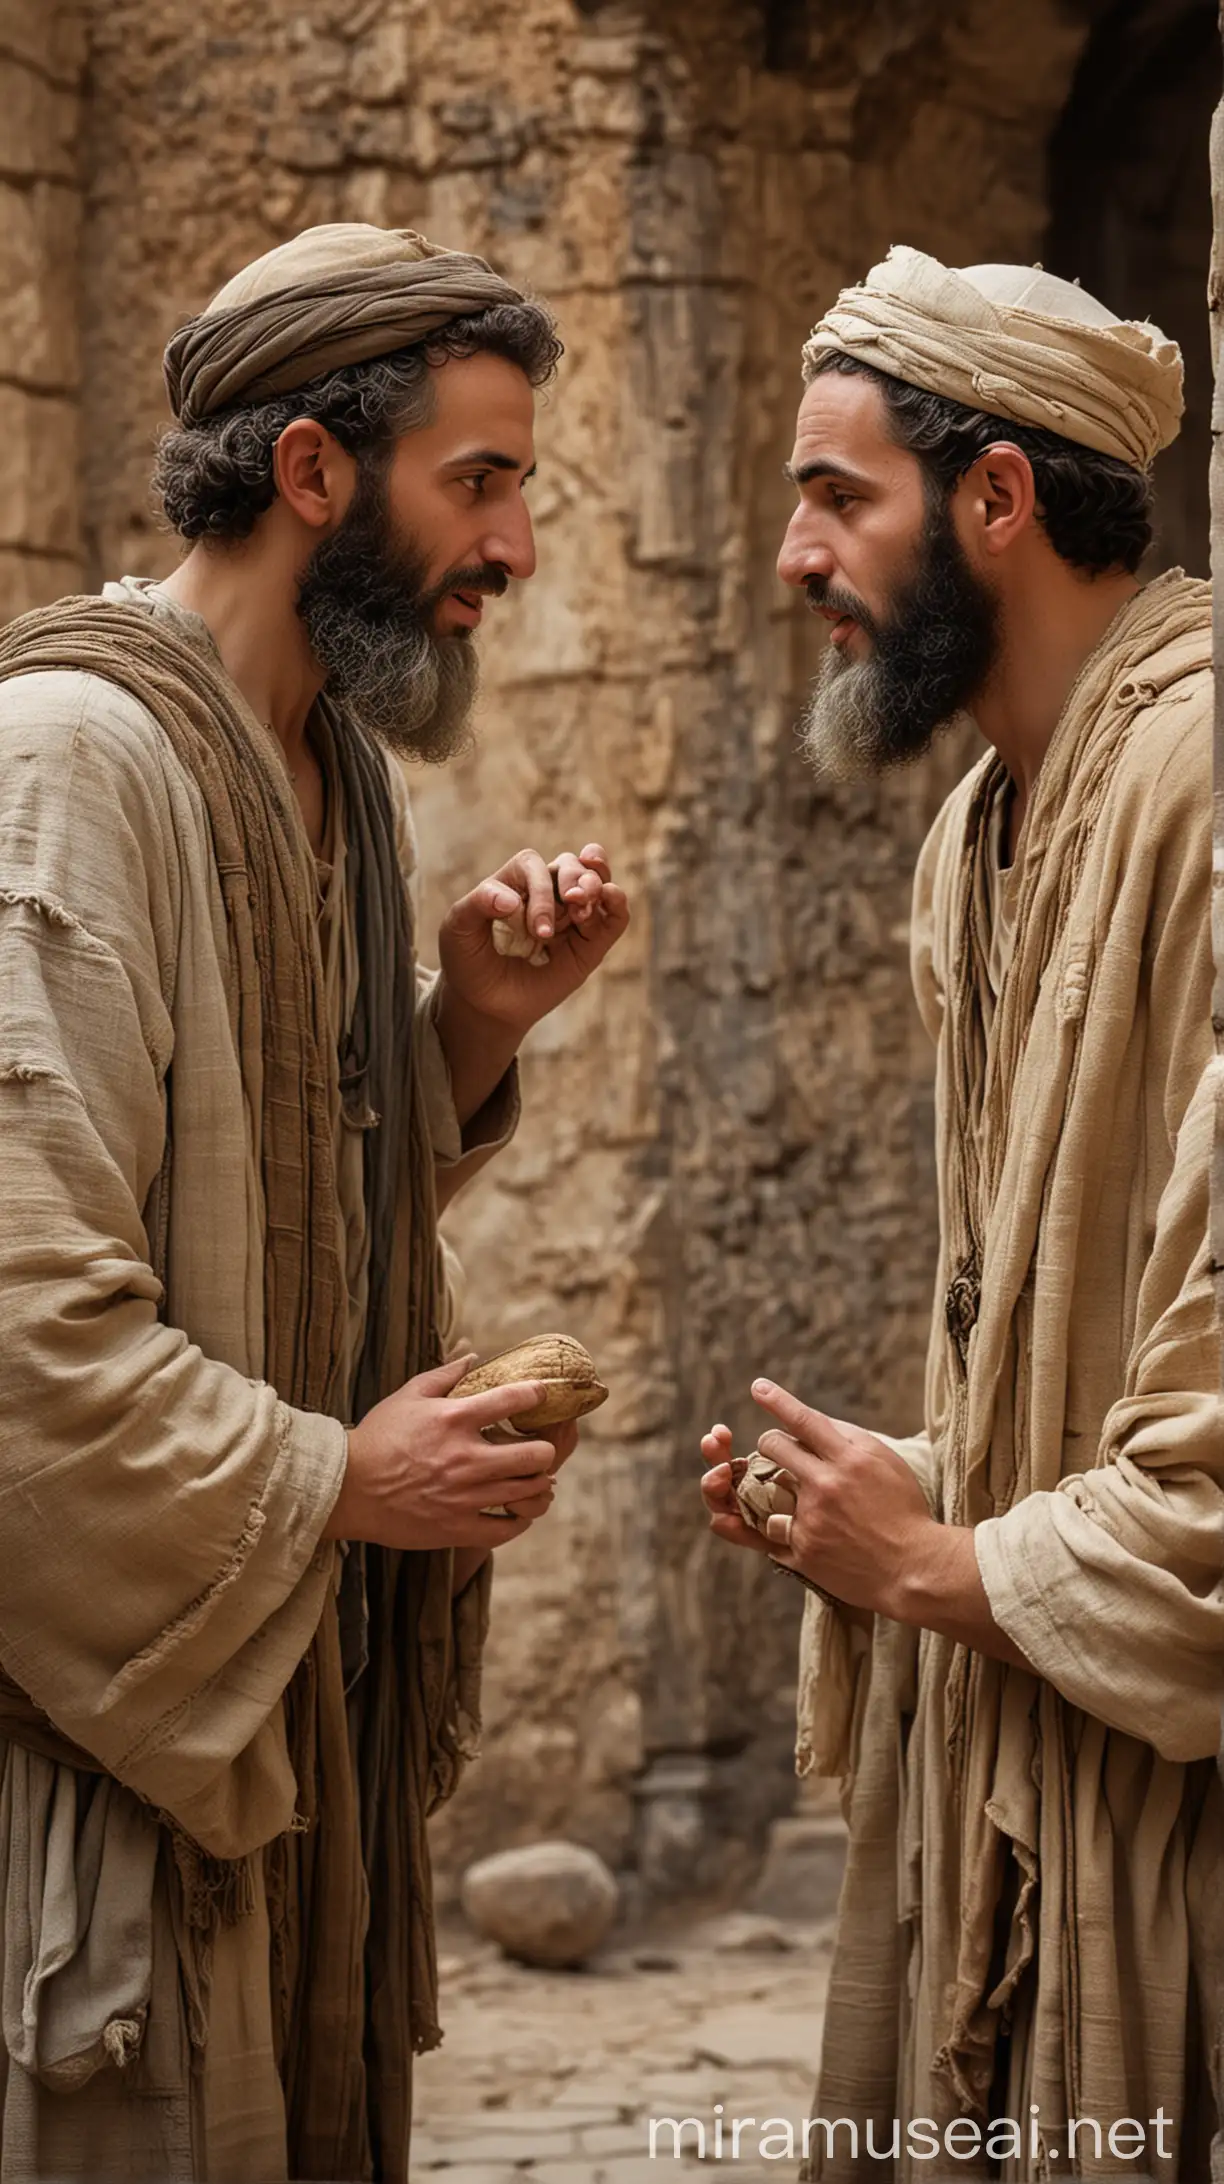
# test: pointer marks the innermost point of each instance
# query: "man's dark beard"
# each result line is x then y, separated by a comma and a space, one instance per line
928, 661
369, 618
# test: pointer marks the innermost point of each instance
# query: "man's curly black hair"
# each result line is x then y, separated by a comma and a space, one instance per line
215, 479
1096, 511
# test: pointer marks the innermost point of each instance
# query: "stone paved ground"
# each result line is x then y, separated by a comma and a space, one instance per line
553, 2077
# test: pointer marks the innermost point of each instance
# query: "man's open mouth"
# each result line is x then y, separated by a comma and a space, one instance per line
841, 624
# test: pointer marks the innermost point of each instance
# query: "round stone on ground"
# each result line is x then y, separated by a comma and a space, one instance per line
548, 1903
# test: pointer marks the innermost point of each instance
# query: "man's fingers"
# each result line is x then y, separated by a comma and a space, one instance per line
575, 886
782, 1447
574, 890
809, 1427
604, 929
564, 1440
793, 1455
529, 874
493, 1405
491, 1488
514, 1459
532, 1506
492, 899
495, 1529
717, 1491
778, 1530
442, 1378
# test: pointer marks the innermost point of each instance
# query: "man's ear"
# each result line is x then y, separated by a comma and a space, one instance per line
314, 475
998, 497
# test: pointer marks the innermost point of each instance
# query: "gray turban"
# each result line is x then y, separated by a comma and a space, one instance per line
1014, 341
334, 295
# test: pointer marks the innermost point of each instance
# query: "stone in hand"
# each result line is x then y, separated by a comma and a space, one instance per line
511, 938
561, 1366
765, 1489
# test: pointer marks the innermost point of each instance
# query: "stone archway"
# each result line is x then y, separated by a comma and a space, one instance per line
1130, 212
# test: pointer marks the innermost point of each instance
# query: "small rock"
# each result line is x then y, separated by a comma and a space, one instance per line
655, 1960
745, 1934
549, 1903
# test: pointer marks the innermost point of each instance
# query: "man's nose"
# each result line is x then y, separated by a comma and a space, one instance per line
802, 553
512, 544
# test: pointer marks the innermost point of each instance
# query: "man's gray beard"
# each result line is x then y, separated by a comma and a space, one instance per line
413, 690
839, 727
930, 657
843, 732
368, 611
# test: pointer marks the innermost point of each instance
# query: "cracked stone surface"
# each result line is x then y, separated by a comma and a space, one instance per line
555, 2076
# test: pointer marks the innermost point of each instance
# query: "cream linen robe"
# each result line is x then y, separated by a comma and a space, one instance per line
160, 1510
1042, 1855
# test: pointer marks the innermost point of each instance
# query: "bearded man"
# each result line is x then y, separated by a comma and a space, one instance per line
1017, 1661
240, 1643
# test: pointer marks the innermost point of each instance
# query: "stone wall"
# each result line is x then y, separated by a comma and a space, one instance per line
42, 47
725, 1165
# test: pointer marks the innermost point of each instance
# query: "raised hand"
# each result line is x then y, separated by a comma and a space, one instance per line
571, 906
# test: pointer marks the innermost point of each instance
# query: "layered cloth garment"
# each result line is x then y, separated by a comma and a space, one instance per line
224, 1737
1031, 1910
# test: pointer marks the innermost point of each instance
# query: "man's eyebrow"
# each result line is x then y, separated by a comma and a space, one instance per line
488, 458
821, 467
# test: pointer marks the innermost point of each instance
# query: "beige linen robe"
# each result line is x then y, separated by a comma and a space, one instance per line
160, 1509
1031, 1907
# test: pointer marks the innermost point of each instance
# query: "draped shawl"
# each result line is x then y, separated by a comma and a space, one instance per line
1036, 1854
340, 2120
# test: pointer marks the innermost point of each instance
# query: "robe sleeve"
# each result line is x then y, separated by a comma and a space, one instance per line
1113, 1585
161, 1572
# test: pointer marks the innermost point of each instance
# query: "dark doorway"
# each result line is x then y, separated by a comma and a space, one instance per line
1130, 213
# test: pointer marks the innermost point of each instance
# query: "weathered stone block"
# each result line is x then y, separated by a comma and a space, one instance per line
803, 1869
40, 125
381, 59
38, 472
39, 235
49, 35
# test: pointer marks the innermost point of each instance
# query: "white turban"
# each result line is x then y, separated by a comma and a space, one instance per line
1014, 341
